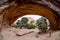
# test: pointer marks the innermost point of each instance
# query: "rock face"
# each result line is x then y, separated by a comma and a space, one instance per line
2, 1
13, 12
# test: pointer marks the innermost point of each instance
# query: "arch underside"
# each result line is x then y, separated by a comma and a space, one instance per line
15, 12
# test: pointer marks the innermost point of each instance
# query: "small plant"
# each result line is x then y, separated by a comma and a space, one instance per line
24, 21
21, 23
30, 26
15, 25
41, 25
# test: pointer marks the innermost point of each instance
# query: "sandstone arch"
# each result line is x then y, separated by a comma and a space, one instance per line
12, 13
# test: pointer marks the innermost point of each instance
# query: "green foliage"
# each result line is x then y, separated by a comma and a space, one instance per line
30, 26
18, 23
24, 20
21, 23
41, 25
15, 25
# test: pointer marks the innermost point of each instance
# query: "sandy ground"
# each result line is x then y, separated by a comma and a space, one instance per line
8, 34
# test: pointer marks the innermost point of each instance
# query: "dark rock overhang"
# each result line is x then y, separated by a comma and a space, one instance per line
53, 4
21, 2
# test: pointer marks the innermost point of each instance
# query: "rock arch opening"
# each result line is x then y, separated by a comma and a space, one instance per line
32, 22
32, 19
35, 9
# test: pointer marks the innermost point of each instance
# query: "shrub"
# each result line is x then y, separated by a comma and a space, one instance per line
41, 25
15, 25
30, 26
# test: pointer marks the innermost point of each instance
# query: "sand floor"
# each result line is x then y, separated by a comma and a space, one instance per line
10, 34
